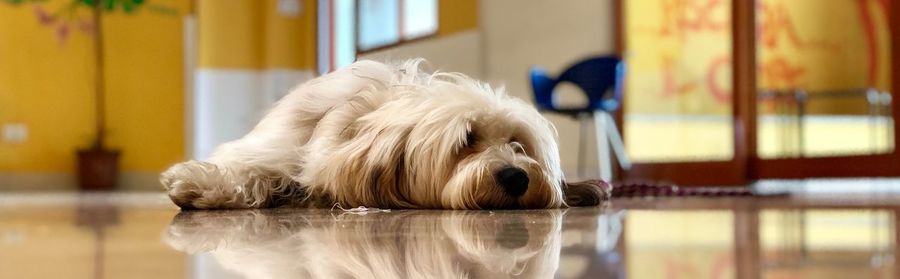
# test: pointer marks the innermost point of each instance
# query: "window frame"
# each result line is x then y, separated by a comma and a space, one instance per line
400, 20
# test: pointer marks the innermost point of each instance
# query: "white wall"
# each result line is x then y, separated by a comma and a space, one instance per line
229, 102
553, 34
460, 52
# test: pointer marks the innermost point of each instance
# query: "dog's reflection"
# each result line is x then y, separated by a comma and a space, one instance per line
400, 244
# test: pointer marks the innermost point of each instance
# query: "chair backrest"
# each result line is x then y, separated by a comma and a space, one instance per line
543, 85
594, 76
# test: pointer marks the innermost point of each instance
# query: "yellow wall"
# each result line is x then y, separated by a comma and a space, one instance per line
42, 84
228, 35
290, 42
251, 34
456, 16
48, 86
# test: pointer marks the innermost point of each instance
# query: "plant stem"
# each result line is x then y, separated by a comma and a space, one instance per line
99, 81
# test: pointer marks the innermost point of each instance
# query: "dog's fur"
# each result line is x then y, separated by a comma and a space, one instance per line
399, 244
387, 136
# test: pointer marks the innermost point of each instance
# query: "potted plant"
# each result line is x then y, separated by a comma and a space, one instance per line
98, 165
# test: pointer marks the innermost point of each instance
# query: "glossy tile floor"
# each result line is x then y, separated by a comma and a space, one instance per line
814, 234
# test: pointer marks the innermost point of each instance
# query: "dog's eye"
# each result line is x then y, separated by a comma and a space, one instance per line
518, 147
470, 139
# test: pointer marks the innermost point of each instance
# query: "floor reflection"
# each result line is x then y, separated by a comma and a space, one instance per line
144, 236
827, 243
397, 244
680, 243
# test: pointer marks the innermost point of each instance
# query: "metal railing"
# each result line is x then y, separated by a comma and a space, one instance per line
878, 109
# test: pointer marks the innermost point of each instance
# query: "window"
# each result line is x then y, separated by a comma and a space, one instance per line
347, 27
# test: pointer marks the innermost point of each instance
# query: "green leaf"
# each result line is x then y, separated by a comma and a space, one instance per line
128, 6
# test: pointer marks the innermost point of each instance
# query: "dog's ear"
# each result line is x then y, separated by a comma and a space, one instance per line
586, 193
387, 179
381, 168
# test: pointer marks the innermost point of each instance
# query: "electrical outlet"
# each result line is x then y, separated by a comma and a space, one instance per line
15, 133
290, 8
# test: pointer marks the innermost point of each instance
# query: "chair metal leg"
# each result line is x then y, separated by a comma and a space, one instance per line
604, 159
582, 138
615, 139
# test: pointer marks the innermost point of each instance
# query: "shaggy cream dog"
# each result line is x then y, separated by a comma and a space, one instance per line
388, 136
399, 244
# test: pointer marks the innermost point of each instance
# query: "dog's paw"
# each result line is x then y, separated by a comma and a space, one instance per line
587, 193
200, 185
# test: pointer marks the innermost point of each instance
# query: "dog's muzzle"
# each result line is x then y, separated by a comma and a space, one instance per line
513, 180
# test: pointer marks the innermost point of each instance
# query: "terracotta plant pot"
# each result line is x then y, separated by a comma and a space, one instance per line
98, 169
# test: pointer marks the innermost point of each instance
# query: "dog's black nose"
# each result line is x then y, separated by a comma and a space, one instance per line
513, 180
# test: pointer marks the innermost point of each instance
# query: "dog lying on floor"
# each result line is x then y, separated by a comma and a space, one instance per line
387, 136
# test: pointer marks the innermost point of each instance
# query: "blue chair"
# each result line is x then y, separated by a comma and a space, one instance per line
600, 79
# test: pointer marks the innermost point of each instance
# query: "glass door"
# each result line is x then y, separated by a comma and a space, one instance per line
721, 92
824, 89
679, 112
